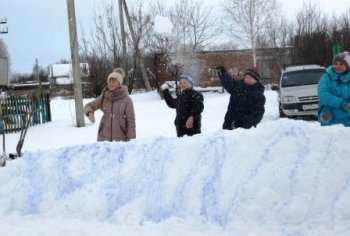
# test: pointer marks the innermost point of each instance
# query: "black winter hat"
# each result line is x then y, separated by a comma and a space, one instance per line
253, 73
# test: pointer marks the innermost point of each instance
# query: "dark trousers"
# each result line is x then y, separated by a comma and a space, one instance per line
230, 123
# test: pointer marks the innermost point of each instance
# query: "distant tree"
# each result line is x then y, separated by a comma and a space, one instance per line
226, 46
194, 28
276, 43
106, 39
246, 19
140, 27
104, 48
344, 23
158, 42
278, 34
64, 61
312, 43
101, 50
29, 77
194, 24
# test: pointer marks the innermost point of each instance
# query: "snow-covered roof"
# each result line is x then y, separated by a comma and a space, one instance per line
65, 70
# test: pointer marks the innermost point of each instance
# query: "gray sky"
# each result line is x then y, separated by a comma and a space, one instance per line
38, 29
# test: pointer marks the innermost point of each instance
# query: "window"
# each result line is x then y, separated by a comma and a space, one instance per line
301, 77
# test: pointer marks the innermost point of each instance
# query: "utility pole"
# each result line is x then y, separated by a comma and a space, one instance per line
75, 64
4, 31
122, 29
36, 71
4, 66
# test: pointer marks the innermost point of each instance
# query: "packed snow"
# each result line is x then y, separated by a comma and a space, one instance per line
284, 177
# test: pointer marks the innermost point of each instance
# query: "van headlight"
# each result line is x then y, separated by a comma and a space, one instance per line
289, 99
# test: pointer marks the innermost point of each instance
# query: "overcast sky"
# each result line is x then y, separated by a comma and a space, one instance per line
38, 29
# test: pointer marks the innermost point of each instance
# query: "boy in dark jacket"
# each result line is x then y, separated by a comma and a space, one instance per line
189, 106
247, 100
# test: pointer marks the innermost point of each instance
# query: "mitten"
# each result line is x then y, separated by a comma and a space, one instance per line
327, 116
346, 107
164, 87
91, 117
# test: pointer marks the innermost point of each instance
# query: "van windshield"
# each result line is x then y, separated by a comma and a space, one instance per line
301, 77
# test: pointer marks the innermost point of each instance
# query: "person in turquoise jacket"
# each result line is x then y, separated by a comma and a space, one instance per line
334, 92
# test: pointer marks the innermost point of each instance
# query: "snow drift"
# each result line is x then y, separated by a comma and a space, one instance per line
283, 178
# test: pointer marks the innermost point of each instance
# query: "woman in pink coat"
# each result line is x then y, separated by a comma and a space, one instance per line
118, 120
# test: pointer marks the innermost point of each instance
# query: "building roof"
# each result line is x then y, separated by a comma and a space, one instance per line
65, 70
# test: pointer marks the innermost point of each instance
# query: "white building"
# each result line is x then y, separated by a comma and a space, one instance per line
61, 74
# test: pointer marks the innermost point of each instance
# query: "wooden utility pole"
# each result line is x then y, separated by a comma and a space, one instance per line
75, 64
122, 29
138, 55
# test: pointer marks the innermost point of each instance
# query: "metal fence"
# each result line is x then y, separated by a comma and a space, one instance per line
17, 111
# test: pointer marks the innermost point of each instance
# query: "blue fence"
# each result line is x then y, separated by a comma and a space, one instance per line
16, 111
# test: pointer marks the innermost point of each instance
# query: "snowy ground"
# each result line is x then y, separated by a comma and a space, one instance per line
285, 177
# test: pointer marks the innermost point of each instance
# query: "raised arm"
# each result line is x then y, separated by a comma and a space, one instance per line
226, 80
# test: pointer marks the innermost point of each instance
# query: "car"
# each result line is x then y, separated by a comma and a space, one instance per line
298, 91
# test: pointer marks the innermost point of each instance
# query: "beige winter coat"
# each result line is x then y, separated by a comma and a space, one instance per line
118, 120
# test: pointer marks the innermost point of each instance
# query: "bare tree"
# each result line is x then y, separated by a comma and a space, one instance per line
226, 46
194, 27
107, 38
344, 23
140, 26
312, 42
158, 8
194, 23
308, 19
158, 41
246, 19
277, 40
101, 49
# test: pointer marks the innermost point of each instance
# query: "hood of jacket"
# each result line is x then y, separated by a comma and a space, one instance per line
117, 94
344, 78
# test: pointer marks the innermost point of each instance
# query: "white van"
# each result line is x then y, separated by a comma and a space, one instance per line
298, 90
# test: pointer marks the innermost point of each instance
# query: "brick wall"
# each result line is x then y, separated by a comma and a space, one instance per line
236, 61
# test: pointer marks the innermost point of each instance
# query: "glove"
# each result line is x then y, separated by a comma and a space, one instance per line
164, 87
346, 107
91, 117
327, 116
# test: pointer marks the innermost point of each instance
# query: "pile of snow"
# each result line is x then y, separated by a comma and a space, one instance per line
285, 177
